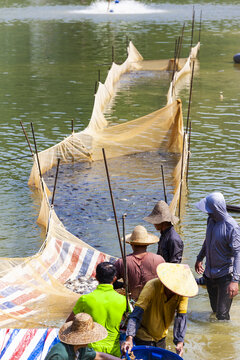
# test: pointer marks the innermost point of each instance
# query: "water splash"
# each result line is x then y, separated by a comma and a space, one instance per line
130, 7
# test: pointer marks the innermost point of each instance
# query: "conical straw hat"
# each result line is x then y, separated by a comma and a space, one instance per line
178, 278
82, 330
161, 213
140, 236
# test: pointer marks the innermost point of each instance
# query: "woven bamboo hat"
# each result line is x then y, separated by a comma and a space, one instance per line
178, 278
161, 213
140, 236
82, 331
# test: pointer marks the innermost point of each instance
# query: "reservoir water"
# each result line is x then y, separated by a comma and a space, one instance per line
51, 54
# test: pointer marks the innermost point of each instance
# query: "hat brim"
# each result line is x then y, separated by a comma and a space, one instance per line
151, 239
202, 205
67, 336
178, 278
157, 219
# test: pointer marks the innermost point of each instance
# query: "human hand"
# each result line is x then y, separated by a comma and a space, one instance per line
232, 289
179, 348
199, 267
127, 345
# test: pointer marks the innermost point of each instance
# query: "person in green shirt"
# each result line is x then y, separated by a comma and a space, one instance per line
106, 307
74, 337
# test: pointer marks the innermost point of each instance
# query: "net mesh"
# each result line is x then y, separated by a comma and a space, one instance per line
32, 289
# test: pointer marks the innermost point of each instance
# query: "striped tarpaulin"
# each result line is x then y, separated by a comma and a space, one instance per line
43, 275
26, 344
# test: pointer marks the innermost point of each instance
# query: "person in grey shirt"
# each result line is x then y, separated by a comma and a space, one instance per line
221, 248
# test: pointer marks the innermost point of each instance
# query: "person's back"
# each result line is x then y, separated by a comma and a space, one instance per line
141, 268
106, 307
170, 245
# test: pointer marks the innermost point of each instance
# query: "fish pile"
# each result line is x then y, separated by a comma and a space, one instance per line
82, 285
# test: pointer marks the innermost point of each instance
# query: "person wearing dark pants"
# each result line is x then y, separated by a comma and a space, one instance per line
219, 297
221, 248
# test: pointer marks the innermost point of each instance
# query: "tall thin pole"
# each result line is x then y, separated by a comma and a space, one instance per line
189, 146
36, 152
113, 54
181, 179
113, 205
200, 26
193, 21
164, 188
181, 41
72, 126
99, 75
30, 147
190, 95
175, 57
55, 182
125, 272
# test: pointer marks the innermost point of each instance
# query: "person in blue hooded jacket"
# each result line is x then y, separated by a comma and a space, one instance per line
221, 248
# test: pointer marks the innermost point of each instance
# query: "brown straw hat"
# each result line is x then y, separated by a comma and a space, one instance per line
161, 213
178, 278
140, 236
82, 331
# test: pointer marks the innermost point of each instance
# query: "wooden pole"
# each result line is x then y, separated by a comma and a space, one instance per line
181, 179
113, 54
95, 89
27, 138
36, 152
193, 21
55, 182
189, 146
164, 188
190, 96
125, 272
181, 41
175, 57
72, 126
113, 205
200, 26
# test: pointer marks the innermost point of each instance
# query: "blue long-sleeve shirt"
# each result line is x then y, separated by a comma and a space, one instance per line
222, 242
170, 246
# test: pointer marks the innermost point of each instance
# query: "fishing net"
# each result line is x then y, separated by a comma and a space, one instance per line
32, 289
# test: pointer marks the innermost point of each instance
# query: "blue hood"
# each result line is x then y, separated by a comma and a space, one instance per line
215, 205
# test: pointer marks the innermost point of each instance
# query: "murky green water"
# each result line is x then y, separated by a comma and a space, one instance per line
51, 52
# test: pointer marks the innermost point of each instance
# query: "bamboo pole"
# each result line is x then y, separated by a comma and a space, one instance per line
113, 205
30, 147
200, 26
181, 41
55, 182
95, 89
72, 126
189, 146
193, 23
113, 54
190, 96
164, 188
125, 272
36, 152
181, 179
